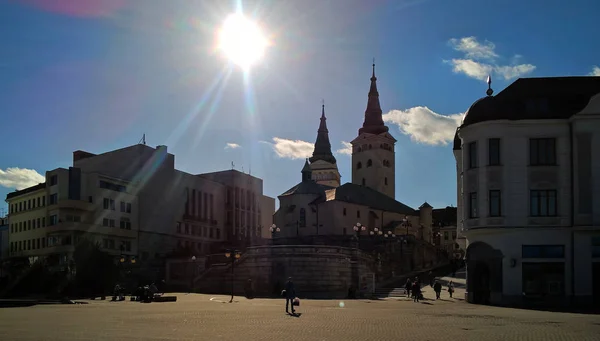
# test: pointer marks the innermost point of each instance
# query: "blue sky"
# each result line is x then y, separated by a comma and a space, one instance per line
96, 75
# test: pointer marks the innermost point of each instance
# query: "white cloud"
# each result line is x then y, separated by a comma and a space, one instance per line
346, 149
20, 178
232, 146
481, 60
474, 49
425, 126
595, 71
291, 149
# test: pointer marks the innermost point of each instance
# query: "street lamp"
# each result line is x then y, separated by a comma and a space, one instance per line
358, 228
406, 223
192, 273
233, 254
274, 229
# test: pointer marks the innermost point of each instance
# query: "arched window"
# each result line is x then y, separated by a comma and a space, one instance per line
302, 220
359, 165
369, 163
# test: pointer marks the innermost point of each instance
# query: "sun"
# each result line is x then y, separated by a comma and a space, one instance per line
242, 41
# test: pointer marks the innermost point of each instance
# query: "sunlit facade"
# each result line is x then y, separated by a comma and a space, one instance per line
529, 192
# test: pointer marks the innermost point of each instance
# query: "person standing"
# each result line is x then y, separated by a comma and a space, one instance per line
450, 288
290, 294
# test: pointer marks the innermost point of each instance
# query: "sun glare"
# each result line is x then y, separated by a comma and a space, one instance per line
242, 41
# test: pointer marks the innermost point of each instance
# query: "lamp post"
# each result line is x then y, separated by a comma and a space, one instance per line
358, 228
233, 254
192, 273
406, 223
274, 229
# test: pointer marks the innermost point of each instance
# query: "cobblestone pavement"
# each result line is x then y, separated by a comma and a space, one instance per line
197, 317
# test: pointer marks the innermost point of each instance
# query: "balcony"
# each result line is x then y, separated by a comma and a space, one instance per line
90, 228
76, 204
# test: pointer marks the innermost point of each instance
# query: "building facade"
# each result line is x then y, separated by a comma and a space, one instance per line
529, 196
318, 206
136, 205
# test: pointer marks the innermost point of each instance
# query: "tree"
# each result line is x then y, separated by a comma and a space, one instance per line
95, 270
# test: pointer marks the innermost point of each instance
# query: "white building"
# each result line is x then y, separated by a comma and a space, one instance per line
528, 169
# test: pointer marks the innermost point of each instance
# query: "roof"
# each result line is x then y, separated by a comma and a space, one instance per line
26, 190
366, 196
535, 98
307, 187
444, 216
425, 205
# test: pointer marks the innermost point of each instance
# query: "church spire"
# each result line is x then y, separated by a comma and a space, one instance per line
322, 149
373, 123
306, 172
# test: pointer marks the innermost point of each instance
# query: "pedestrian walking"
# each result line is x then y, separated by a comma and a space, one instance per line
450, 288
416, 291
437, 287
290, 294
431, 278
407, 287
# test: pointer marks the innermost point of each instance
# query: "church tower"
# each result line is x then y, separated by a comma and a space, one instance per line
322, 163
373, 156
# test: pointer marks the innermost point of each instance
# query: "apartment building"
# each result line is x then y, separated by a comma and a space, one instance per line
529, 192
50, 218
136, 205
445, 232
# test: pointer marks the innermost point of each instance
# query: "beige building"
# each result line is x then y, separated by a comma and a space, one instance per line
135, 204
321, 206
529, 191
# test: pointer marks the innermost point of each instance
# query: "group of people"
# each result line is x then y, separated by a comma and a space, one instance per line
144, 293
413, 288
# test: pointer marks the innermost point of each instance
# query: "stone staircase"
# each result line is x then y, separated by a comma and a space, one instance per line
390, 292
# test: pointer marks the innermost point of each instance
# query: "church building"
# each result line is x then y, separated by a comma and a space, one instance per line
321, 205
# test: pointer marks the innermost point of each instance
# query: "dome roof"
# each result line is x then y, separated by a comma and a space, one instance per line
482, 110
457, 141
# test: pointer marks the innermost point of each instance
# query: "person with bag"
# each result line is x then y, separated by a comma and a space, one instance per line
290, 295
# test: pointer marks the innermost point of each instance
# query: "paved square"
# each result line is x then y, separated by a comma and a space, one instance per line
197, 317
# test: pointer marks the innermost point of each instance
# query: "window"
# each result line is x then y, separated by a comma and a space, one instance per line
544, 279
106, 203
112, 204
53, 220
359, 165
543, 251
595, 247
473, 208
364, 182
44, 201
105, 222
495, 203
126, 245
454, 235
302, 221
385, 180
29, 204
542, 203
53, 199
125, 224
53, 180
178, 227
358, 214
218, 231
112, 187
369, 163
344, 211
128, 209
122, 206
90, 199
473, 155
493, 152
542, 151
446, 235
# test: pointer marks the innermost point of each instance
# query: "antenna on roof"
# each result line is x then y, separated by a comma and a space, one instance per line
143, 140
232, 166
